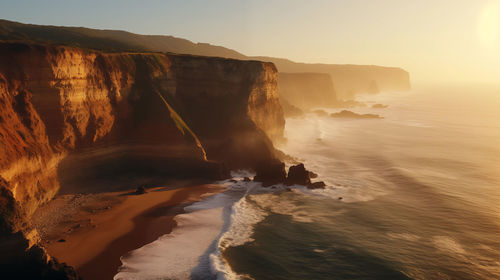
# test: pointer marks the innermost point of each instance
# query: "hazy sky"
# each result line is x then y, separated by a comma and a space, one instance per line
435, 40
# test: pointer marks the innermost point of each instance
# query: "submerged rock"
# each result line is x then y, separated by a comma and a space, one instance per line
312, 175
379, 106
317, 185
351, 115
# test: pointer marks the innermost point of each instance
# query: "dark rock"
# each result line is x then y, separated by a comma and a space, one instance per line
317, 185
246, 179
351, 115
140, 190
312, 175
379, 106
340, 198
298, 175
61, 240
270, 173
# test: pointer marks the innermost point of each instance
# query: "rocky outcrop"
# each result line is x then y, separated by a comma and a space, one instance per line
270, 173
298, 175
307, 90
273, 173
68, 115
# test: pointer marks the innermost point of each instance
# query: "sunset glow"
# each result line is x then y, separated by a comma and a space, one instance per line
488, 26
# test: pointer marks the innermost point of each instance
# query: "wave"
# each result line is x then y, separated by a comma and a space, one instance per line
196, 246
174, 255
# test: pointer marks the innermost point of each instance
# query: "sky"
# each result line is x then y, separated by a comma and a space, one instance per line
451, 41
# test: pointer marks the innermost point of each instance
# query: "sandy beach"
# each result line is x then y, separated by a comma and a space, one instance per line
91, 232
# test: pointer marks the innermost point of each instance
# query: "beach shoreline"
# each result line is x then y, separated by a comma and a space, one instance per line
97, 229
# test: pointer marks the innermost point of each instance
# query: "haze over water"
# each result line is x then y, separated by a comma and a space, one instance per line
419, 194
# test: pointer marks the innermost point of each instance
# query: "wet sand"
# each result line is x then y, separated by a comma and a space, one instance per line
107, 226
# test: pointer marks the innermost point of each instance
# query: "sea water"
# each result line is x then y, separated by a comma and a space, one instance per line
415, 195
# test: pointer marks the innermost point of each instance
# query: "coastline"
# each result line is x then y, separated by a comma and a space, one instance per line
127, 222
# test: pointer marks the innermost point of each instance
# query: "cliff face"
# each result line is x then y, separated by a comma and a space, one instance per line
350, 80
67, 114
307, 90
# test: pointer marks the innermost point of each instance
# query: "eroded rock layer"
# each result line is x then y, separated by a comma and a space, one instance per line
67, 114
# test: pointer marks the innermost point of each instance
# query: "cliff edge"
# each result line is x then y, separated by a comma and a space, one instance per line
69, 115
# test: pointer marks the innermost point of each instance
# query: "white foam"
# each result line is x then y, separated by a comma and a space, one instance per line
448, 244
205, 229
175, 255
242, 220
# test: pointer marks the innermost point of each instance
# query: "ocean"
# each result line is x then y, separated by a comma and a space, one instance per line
415, 195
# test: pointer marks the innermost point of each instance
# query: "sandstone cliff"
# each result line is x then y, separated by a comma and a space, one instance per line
307, 90
67, 114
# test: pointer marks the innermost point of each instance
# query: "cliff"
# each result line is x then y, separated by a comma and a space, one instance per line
70, 116
349, 80
307, 90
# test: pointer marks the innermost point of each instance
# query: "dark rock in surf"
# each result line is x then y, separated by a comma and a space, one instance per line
345, 114
298, 175
246, 179
317, 185
379, 106
271, 173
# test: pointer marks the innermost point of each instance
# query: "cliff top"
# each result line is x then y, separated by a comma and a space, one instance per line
123, 41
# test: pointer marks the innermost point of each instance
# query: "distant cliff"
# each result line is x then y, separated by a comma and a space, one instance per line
307, 90
68, 113
349, 80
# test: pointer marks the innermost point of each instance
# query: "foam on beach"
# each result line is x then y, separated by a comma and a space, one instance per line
175, 255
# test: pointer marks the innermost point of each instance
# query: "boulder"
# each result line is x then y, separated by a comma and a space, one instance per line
271, 173
298, 175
